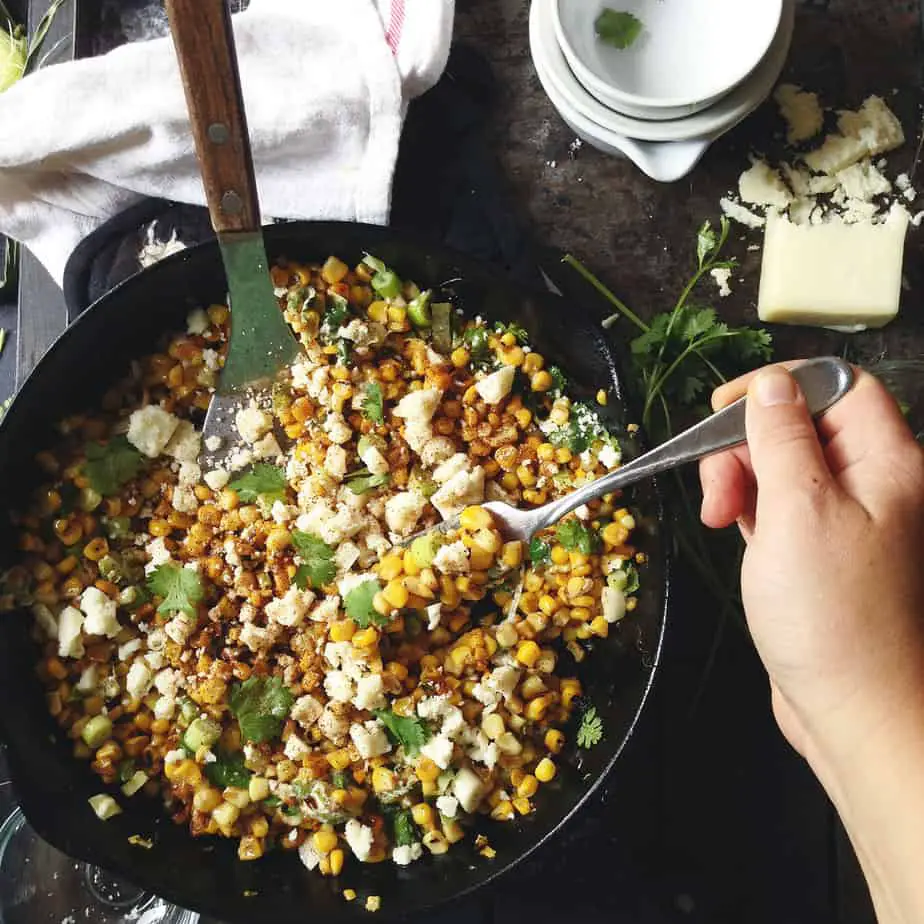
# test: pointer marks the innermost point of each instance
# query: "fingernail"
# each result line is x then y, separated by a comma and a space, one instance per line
774, 386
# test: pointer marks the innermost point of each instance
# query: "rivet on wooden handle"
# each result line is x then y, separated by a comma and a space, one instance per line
204, 43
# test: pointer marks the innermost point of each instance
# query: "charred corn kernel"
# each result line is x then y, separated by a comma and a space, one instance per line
522, 805
218, 314
339, 760
599, 626
509, 481
259, 826
422, 814
55, 668
537, 708
526, 476
250, 848
236, 796
528, 786
427, 771
365, 638
614, 534
383, 780
378, 311
533, 582
548, 604
333, 271
523, 416
506, 635
545, 452
563, 454
277, 540
474, 518
396, 594
554, 741
96, 549
391, 567
493, 726
559, 555
545, 770
528, 653
508, 743
226, 814
349, 895
435, 842
324, 841
286, 771
601, 397
452, 830
258, 788
342, 630
336, 862
541, 381
503, 811
397, 669
480, 560
410, 563
206, 799
533, 363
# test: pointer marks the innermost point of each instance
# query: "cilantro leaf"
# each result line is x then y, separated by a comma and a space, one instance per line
408, 732
228, 770
575, 536
263, 480
335, 316
404, 829
261, 705
317, 568
362, 480
632, 579
539, 551
180, 588
590, 731
706, 242
358, 604
373, 404
570, 437
110, 465
559, 382
617, 28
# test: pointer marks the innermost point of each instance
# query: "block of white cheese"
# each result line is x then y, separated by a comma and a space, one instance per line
833, 274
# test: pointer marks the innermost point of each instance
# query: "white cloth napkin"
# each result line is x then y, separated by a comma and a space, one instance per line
326, 85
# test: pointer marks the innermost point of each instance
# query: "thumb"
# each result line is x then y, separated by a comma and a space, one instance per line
786, 454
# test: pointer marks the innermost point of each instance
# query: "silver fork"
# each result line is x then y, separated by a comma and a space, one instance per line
824, 381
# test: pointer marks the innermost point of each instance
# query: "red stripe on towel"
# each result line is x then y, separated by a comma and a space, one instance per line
395, 25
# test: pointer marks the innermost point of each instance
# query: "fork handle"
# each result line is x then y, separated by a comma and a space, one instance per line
823, 381
204, 42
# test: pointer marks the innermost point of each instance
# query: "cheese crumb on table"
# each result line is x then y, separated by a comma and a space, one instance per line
762, 185
801, 110
722, 276
740, 214
833, 274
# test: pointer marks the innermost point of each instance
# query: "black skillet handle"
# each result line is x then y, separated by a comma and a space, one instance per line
204, 42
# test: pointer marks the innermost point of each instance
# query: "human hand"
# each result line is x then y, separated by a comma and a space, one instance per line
831, 581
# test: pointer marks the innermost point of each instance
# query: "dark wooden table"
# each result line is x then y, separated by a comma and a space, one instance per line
710, 816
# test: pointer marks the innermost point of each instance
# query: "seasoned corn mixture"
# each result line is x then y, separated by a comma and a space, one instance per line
255, 647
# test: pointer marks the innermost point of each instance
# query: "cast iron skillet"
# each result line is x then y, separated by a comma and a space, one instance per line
204, 874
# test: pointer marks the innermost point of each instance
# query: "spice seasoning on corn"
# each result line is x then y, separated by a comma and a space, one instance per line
254, 647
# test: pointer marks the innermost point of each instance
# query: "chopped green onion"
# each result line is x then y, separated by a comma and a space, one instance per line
139, 778
202, 733
105, 806
442, 327
418, 310
96, 731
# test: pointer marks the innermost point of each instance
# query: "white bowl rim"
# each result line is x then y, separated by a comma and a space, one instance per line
598, 86
712, 121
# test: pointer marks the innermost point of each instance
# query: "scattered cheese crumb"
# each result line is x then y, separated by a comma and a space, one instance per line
762, 185
801, 110
722, 275
737, 212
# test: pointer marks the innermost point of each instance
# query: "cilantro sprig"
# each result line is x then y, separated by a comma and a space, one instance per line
261, 705
590, 731
262, 481
181, 588
358, 604
408, 732
374, 404
362, 480
678, 357
317, 568
110, 465
576, 537
618, 28
539, 552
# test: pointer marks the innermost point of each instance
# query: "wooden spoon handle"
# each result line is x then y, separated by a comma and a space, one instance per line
204, 44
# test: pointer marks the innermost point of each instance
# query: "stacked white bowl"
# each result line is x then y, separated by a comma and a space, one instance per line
695, 69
